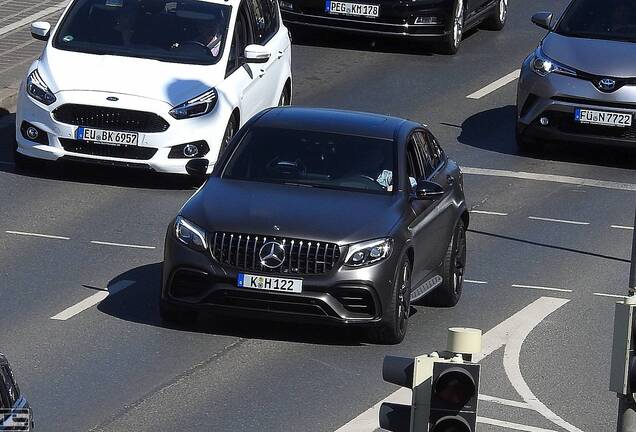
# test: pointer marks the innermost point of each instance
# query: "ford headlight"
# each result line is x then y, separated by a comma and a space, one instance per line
543, 65
369, 252
196, 107
190, 234
38, 90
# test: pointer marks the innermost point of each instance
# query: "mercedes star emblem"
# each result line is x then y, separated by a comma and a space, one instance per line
272, 254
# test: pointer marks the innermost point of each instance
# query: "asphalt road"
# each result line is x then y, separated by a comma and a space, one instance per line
562, 232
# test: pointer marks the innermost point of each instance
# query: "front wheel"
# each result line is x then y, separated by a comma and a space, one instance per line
450, 291
393, 331
497, 20
285, 97
450, 43
230, 131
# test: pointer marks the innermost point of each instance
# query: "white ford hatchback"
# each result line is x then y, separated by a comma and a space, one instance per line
151, 83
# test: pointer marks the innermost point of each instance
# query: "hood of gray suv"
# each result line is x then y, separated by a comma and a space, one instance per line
595, 56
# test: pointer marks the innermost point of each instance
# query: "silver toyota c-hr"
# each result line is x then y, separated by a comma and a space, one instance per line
579, 85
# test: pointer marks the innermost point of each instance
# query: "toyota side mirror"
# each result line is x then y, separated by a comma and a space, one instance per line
256, 54
543, 20
428, 190
40, 30
197, 168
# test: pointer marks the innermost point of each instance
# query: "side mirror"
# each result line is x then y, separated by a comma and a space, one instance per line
427, 190
543, 20
256, 54
197, 168
40, 30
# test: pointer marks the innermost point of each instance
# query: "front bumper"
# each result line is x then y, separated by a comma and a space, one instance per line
193, 280
153, 147
556, 97
395, 19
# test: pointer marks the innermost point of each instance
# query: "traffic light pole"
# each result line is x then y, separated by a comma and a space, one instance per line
626, 405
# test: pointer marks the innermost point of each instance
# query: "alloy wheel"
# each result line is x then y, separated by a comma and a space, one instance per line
404, 297
458, 24
503, 10
459, 263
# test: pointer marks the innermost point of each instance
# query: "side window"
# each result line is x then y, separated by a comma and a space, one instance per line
427, 159
240, 39
437, 155
266, 20
414, 162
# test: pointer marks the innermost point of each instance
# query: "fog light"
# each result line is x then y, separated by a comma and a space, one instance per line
286, 5
426, 20
32, 133
544, 121
190, 150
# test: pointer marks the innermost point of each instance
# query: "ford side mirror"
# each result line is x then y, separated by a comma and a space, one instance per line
427, 190
40, 30
197, 168
256, 54
543, 20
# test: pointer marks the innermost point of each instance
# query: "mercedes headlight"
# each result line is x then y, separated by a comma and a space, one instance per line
196, 107
369, 252
190, 234
543, 65
38, 90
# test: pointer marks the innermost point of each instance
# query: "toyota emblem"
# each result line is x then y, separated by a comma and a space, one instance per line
607, 84
272, 254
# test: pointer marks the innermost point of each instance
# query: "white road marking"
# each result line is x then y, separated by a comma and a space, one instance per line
610, 295
91, 301
512, 354
495, 85
510, 425
558, 220
122, 245
506, 402
541, 288
551, 178
30, 234
32, 18
475, 282
500, 335
492, 213
623, 227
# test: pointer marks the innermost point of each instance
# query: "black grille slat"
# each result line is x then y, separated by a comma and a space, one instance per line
115, 151
109, 118
301, 256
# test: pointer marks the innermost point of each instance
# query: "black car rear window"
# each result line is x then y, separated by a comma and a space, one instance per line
314, 159
596, 19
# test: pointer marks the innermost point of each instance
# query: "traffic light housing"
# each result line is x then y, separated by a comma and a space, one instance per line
623, 367
454, 395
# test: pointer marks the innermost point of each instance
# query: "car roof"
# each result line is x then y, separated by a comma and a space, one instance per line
332, 121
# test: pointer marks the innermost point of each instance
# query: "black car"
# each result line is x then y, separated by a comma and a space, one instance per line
316, 214
15, 413
441, 21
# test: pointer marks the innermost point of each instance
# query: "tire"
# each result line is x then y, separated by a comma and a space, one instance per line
497, 20
285, 97
393, 331
450, 44
450, 291
230, 131
175, 315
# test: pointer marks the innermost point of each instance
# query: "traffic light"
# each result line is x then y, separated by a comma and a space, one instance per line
454, 393
623, 367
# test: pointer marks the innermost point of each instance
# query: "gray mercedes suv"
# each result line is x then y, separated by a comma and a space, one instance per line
579, 85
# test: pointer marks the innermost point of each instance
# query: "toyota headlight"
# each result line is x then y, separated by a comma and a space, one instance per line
190, 234
38, 90
369, 252
543, 65
196, 107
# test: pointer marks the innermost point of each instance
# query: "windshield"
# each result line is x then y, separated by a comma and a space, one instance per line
607, 19
314, 159
183, 31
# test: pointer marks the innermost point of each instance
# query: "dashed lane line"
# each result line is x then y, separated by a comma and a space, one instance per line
491, 213
623, 227
30, 234
610, 295
551, 178
34, 17
544, 219
496, 85
510, 425
91, 301
134, 246
477, 282
543, 288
